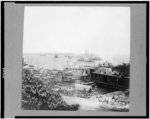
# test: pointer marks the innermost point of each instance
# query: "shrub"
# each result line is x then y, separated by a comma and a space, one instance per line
123, 69
38, 96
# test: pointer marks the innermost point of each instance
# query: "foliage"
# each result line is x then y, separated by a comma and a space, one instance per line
123, 69
36, 95
126, 92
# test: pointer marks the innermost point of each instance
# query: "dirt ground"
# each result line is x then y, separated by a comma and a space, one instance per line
100, 99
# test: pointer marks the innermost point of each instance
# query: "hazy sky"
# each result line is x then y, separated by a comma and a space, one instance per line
104, 31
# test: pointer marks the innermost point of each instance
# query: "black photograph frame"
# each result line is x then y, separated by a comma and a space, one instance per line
3, 53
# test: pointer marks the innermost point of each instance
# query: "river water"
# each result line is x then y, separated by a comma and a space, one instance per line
55, 61
59, 61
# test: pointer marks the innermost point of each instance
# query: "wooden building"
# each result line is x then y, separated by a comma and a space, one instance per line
110, 81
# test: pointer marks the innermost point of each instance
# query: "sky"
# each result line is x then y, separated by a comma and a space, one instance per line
103, 31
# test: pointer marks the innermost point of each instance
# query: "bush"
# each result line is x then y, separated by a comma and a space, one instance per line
38, 96
123, 69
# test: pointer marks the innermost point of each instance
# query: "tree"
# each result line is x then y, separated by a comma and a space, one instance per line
39, 96
123, 69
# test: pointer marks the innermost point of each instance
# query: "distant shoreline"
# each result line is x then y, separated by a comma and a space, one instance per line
115, 59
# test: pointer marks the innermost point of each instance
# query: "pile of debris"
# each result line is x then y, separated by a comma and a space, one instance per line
116, 101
